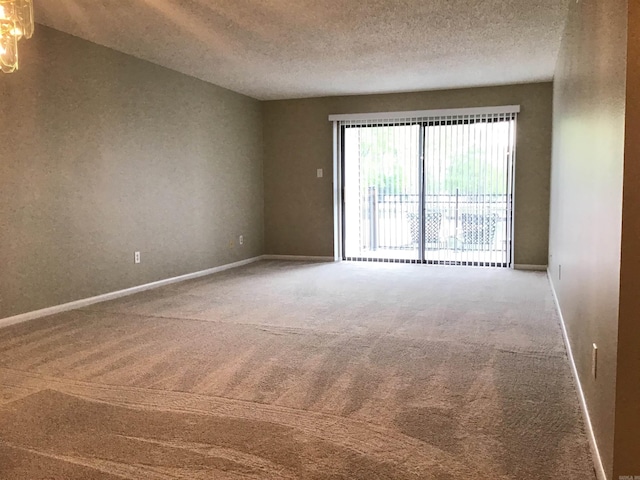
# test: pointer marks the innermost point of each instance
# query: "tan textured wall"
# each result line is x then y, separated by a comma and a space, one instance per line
627, 437
298, 140
103, 154
586, 197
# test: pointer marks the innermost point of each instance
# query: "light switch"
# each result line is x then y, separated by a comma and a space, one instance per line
320, 173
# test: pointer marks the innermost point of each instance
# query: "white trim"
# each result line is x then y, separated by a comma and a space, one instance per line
298, 258
595, 452
5, 322
534, 268
425, 113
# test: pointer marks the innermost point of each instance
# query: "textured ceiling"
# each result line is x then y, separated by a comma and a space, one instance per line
274, 49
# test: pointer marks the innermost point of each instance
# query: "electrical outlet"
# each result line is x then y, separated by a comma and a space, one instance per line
241, 239
594, 361
136, 257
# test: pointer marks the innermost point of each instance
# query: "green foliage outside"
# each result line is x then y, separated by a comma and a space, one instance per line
472, 175
387, 162
388, 157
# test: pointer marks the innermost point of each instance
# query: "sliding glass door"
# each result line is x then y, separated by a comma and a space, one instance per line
381, 191
430, 190
467, 191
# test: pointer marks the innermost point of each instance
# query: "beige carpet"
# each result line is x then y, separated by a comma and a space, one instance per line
287, 370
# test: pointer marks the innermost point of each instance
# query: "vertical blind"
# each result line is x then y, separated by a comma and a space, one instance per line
429, 187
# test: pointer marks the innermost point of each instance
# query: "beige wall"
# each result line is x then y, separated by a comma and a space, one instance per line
298, 140
586, 208
103, 154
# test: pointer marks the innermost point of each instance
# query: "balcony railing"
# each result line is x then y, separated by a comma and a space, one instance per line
452, 222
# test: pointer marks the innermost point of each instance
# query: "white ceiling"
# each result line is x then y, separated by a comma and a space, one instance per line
274, 49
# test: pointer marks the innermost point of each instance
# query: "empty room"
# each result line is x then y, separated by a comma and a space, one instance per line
319, 240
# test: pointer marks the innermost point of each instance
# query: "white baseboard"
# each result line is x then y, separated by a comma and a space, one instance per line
5, 322
595, 452
298, 258
534, 268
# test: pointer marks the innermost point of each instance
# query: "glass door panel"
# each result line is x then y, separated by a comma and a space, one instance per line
381, 192
467, 192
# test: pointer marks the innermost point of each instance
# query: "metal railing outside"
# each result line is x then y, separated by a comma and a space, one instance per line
453, 222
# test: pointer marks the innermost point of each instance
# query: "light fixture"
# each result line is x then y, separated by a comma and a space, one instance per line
16, 21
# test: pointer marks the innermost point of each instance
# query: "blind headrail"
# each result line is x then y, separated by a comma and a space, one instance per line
425, 114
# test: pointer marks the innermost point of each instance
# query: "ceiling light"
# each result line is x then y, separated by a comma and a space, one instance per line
16, 21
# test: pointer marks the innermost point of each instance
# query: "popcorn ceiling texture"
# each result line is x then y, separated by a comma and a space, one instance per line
305, 48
